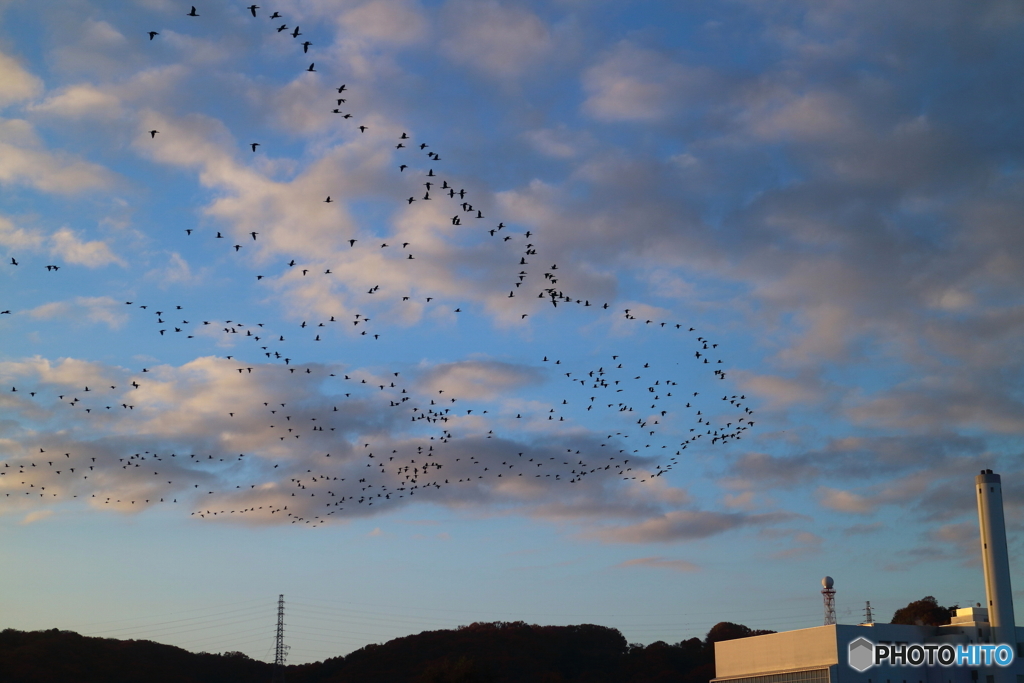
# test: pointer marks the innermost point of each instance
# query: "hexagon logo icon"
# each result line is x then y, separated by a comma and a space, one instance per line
861, 654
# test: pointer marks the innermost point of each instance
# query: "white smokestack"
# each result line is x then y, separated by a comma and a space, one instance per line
995, 558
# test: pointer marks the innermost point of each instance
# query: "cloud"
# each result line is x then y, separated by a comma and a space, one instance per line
449, 259
499, 40
478, 379
100, 309
933, 402
661, 563
559, 142
961, 539
16, 84
81, 101
94, 254
803, 542
781, 392
680, 525
400, 22
92, 47
14, 237
844, 501
850, 229
23, 161
245, 442
640, 85
956, 543
176, 272
855, 457
66, 372
36, 516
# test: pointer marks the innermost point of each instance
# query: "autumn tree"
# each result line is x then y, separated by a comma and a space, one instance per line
927, 611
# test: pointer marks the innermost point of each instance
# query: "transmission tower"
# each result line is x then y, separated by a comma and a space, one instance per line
868, 617
828, 594
281, 650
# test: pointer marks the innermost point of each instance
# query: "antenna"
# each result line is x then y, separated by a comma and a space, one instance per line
828, 594
281, 650
868, 617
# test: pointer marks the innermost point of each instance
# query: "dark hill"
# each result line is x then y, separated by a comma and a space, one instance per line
66, 657
500, 652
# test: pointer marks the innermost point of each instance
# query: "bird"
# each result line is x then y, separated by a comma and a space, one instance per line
193, 12
295, 33
305, 46
153, 34
253, 8
254, 145
275, 15
311, 67
152, 133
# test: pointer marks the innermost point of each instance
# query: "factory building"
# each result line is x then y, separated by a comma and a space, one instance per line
841, 653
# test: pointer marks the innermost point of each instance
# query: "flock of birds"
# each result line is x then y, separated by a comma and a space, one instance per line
313, 465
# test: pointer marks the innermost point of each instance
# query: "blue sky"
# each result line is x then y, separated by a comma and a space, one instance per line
828, 193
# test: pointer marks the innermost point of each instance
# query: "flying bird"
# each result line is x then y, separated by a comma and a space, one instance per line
153, 34
253, 8
193, 12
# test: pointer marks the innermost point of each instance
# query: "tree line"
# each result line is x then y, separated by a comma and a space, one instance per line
494, 652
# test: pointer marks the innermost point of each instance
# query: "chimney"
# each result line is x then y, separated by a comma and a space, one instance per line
995, 558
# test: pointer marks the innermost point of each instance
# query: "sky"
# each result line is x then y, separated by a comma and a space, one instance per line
644, 314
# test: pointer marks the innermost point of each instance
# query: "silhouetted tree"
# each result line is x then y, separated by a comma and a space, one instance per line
498, 652
726, 630
926, 611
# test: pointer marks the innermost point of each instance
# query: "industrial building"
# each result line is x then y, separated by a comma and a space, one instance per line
823, 654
